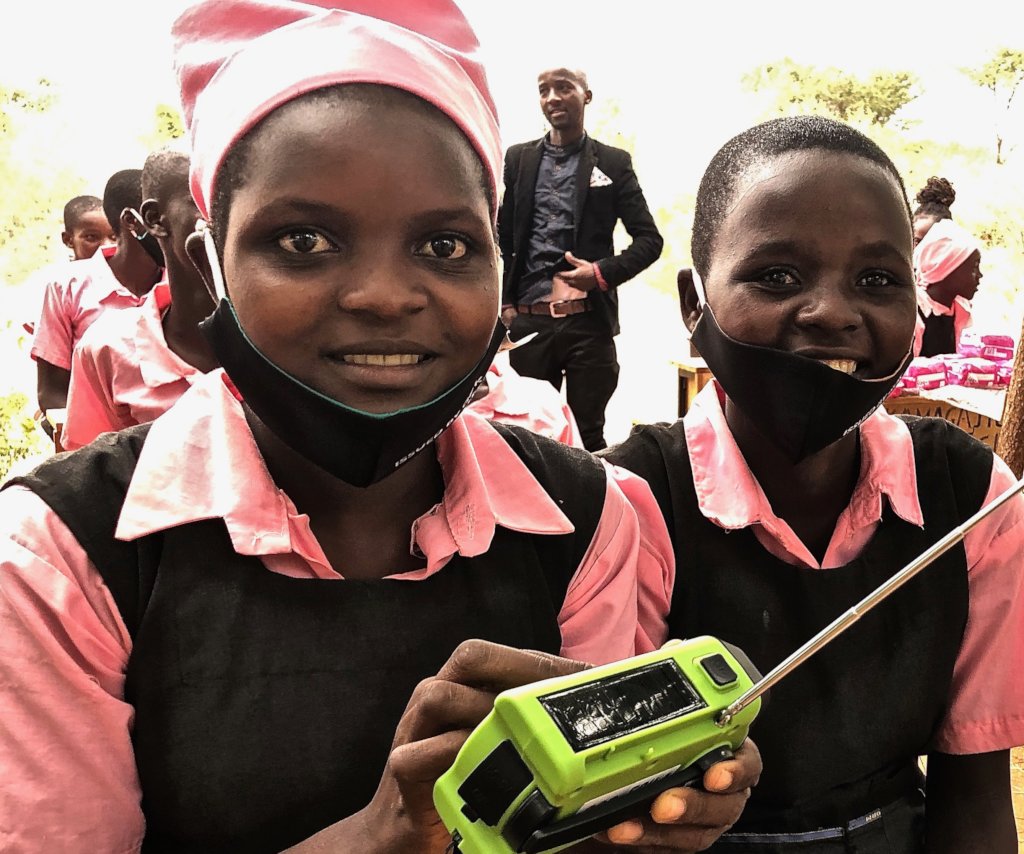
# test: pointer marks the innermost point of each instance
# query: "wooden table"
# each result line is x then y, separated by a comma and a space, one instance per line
975, 411
693, 376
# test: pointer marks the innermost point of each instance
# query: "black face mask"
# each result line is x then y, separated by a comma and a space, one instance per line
799, 404
357, 447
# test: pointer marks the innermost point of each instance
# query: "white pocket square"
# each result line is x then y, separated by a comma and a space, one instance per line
599, 179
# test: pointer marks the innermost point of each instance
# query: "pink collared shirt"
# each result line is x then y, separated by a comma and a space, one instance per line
986, 711
69, 782
123, 373
526, 402
73, 301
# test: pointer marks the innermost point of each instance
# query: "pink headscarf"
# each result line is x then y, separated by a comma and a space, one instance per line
238, 60
944, 248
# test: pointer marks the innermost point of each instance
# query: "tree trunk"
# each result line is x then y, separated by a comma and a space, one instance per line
1011, 432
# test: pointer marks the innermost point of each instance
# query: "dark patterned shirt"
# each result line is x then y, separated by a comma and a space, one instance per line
554, 215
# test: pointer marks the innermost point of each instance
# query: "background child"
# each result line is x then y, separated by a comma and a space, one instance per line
132, 365
948, 265
115, 277
85, 230
214, 623
789, 496
85, 227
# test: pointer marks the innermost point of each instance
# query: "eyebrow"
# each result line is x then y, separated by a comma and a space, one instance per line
288, 206
876, 248
301, 206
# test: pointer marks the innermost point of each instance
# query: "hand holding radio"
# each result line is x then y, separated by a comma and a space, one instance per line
686, 819
441, 713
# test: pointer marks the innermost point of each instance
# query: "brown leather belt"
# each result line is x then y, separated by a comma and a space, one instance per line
557, 308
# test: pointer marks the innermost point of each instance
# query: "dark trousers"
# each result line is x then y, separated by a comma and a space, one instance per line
581, 349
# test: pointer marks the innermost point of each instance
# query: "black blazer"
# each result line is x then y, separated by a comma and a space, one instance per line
597, 211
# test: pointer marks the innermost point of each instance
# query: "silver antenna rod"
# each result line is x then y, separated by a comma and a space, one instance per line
844, 621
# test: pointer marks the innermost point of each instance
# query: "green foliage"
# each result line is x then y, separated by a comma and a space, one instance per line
168, 125
32, 191
794, 88
1002, 75
18, 436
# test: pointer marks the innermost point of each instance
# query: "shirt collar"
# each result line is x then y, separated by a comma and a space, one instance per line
564, 150
729, 495
102, 278
158, 364
200, 461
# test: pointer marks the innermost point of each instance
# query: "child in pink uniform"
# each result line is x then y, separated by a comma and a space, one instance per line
270, 618
790, 495
948, 265
133, 365
85, 227
115, 277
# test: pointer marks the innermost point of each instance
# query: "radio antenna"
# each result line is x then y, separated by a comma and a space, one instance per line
844, 621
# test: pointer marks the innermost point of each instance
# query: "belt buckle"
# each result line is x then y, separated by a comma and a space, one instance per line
552, 308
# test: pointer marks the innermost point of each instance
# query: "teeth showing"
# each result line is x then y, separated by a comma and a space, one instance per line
382, 361
846, 366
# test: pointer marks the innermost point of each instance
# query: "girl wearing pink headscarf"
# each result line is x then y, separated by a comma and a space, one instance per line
948, 265
271, 618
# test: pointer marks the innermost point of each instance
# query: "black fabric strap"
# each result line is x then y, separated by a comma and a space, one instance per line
86, 489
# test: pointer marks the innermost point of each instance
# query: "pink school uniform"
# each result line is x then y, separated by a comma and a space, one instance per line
986, 705
526, 402
73, 302
123, 373
200, 461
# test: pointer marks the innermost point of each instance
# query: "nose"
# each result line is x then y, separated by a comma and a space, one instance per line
828, 308
381, 291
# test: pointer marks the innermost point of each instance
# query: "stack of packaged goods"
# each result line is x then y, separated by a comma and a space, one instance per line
983, 360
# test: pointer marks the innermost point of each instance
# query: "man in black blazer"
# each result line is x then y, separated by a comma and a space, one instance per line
564, 194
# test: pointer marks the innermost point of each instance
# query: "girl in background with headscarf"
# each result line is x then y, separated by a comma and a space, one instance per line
947, 264
256, 622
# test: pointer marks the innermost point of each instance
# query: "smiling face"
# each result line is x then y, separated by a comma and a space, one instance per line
91, 231
814, 258
359, 252
563, 98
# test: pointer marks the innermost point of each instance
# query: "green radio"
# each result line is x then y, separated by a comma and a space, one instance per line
559, 760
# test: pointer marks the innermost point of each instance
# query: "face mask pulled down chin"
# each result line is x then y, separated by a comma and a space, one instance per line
357, 447
799, 404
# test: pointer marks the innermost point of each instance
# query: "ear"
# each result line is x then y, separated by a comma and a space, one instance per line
588, 96
65, 238
196, 251
128, 222
151, 215
689, 304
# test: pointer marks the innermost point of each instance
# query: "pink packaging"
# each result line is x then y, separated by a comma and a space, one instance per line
977, 373
1003, 372
993, 347
925, 373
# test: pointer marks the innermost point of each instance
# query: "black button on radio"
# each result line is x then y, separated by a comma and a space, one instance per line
718, 669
